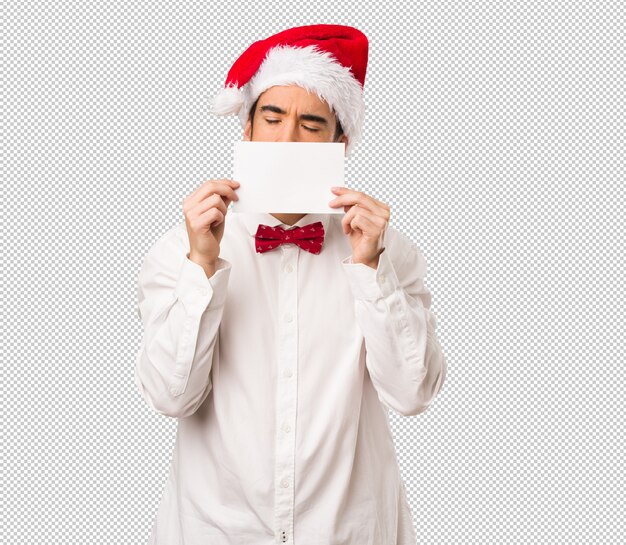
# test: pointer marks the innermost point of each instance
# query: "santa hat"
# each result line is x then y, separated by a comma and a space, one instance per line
330, 60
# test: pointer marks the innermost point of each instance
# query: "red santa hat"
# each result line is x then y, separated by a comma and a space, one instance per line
329, 60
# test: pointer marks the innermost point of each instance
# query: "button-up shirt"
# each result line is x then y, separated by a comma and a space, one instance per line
281, 369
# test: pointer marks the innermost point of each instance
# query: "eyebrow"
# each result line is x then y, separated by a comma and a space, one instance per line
304, 117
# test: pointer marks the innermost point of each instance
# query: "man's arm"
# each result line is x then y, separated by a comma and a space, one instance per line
181, 310
392, 305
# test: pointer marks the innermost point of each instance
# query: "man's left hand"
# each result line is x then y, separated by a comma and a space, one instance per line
365, 222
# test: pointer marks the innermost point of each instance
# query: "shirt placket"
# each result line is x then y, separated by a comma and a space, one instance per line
286, 394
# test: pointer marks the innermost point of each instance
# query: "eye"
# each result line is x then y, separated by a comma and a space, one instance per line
311, 130
272, 120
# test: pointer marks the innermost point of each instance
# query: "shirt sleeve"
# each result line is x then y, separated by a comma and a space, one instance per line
181, 310
392, 305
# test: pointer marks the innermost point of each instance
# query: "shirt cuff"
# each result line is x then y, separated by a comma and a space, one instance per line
197, 291
368, 283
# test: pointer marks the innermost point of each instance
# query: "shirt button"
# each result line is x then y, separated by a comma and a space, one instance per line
288, 268
381, 278
288, 317
287, 372
287, 428
284, 483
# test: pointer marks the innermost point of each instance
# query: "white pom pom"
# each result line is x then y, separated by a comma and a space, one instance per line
228, 101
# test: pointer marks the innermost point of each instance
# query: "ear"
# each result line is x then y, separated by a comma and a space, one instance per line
343, 138
246, 130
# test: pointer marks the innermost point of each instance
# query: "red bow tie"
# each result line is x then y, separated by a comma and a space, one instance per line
309, 237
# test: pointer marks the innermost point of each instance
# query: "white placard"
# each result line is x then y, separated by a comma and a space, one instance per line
288, 177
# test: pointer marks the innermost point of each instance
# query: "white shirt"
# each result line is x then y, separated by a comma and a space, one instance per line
281, 368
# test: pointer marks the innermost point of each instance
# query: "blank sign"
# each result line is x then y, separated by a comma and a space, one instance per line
288, 177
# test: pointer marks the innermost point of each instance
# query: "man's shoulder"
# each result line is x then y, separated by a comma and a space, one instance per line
172, 242
403, 250
397, 242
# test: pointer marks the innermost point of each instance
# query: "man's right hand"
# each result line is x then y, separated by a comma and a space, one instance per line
205, 211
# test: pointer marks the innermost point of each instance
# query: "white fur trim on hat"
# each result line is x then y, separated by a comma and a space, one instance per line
228, 101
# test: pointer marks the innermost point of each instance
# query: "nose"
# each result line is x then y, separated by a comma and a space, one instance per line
288, 132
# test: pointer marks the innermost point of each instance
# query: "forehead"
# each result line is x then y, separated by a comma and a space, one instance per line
286, 96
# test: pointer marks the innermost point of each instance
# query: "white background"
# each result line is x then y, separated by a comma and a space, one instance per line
492, 131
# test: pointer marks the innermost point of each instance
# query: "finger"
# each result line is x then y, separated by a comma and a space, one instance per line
192, 211
337, 191
376, 223
365, 201
221, 189
214, 201
225, 181
350, 215
368, 225
211, 218
225, 189
346, 190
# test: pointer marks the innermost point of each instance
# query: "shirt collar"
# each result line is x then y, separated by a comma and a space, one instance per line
252, 220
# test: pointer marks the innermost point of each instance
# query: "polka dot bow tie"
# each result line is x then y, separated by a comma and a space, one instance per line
309, 237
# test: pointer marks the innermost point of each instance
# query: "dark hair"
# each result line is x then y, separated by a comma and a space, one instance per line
338, 127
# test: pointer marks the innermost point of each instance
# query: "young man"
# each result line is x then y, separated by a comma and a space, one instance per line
280, 341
